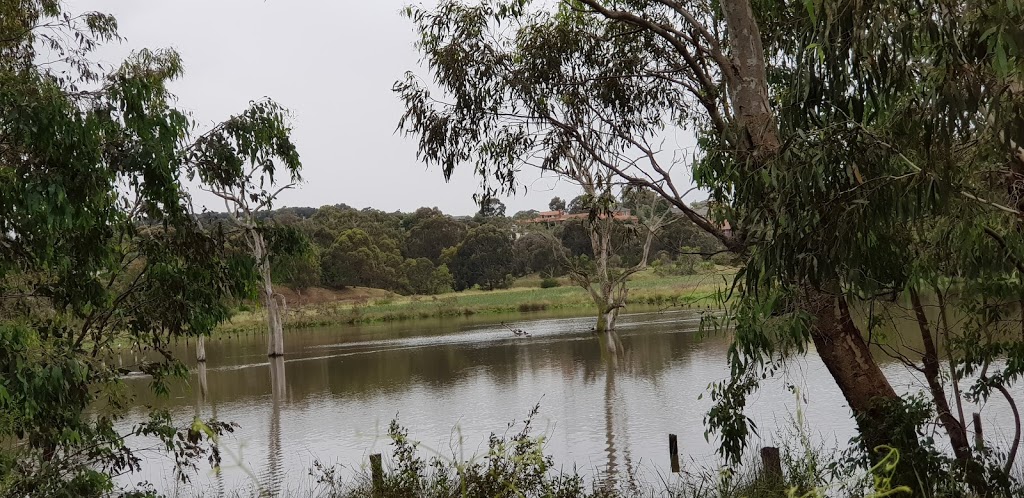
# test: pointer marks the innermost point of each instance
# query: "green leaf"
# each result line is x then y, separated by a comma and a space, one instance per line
989, 32
809, 6
1002, 65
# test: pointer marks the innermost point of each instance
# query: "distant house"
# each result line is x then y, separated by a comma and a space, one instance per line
548, 216
703, 208
554, 217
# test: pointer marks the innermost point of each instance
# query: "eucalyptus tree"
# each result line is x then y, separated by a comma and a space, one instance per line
839, 139
491, 207
541, 253
238, 167
483, 258
430, 232
99, 246
606, 284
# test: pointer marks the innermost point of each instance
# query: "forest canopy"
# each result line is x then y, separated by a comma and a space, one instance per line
429, 252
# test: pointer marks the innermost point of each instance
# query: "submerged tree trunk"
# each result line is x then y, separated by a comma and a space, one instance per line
203, 385
610, 317
201, 349
275, 327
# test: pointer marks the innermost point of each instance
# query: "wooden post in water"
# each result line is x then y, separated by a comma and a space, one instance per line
771, 463
673, 452
979, 437
377, 474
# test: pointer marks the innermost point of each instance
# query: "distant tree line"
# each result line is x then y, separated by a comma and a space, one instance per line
430, 252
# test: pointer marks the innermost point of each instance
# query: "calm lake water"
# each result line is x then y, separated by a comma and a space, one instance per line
454, 381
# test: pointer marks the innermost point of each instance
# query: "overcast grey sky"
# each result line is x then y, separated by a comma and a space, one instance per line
333, 64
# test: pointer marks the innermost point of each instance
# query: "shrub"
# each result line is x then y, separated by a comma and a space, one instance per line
549, 282
725, 259
533, 307
513, 466
684, 264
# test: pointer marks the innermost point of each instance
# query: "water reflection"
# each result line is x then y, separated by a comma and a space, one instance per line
344, 386
203, 384
607, 403
616, 421
274, 473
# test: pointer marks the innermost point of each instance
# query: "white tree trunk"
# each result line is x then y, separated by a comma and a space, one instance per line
278, 381
275, 327
612, 316
201, 349
203, 386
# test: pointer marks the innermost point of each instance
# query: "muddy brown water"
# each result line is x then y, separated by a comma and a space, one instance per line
452, 382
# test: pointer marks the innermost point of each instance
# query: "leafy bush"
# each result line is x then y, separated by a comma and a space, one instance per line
533, 307
517, 466
442, 280
513, 466
725, 259
684, 264
549, 282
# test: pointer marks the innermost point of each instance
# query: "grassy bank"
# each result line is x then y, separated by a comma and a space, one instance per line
526, 295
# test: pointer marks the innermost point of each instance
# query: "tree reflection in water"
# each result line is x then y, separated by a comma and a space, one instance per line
202, 395
273, 475
203, 386
615, 418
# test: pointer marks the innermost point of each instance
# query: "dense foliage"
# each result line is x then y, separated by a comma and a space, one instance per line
866, 156
99, 247
429, 252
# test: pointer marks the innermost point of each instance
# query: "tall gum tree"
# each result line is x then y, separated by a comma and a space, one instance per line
834, 136
607, 286
240, 170
99, 247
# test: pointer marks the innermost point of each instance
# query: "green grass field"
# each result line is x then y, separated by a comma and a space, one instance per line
646, 288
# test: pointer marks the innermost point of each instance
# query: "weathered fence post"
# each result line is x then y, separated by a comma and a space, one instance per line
979, 438
673, 452
771, 463
377, 475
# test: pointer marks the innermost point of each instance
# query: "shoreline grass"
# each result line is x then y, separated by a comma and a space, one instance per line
646, 288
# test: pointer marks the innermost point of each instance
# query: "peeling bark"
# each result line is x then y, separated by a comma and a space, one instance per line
847, 356
867, 391
748, 82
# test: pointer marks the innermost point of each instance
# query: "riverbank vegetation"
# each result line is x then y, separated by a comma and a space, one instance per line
649, 290
855, 152
430, 252
516, 463
100, 245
